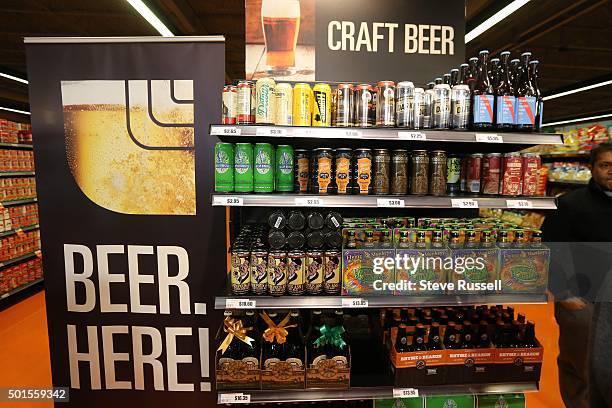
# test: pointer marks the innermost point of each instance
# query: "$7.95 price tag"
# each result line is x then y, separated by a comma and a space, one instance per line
235, 398
354, 302
405, 392
464, 203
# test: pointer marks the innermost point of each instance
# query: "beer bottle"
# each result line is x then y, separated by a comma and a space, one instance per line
533, 74
271, 351
404, 316
434, 342
498, 334
446, 79
526, 97
473, 73
315, 240
401, 341
483, 102
333, 220
296, 240
276, 239
438, 81
467, 335
296, 220
464, 74
514, 70
418, 344
510, 311
315, 220
293, 348
451, 336
454, 77
277, 220
339, 352
505, 99
517, 334
315, 353
430, 85
494, 71
483, 335
521, 318
530, 338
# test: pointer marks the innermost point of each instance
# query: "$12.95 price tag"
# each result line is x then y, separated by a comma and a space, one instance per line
389, 202
519, 204
236, 398
464, 203
405, 392
354, 302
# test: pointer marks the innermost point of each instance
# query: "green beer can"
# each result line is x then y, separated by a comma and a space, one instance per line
264, 168
224, 167
284, 168
243, 168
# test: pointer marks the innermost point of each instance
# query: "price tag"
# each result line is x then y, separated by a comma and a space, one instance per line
519, 204
354, 302
240, 304
270, 131
389, 202
225, 130
352, 133
236, 398
308, 202
229, 201
19, 232
412, 135
405, 393
464, 203
489, 138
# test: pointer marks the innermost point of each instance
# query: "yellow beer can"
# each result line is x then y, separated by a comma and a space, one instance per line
302, 104
321, 114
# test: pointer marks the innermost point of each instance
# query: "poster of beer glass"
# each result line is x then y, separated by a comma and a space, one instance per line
280, 39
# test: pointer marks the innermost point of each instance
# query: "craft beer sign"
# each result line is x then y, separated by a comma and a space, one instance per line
354, 40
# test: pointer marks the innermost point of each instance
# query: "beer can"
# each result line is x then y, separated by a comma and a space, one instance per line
428, 101
283, 95
419, 108
542, 181
512, 171
460, 101
453, 175
332, 271
230, 105
531, 168
399, 172
474, 173
314, 272
491, 168
322, 171
385, 103
224, 167
437, 173
284, 168
363, 102
243, 168
363, 171
381, 171
442, 107
419, 172
265, 99
343, 106
259, 271
240, 271
296, 272
302, 105
302, 174
344, 171
463, 174
263, 174
245, 103
321, 115
277, 273
404, 104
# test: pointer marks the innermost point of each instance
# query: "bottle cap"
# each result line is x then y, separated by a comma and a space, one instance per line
483, 52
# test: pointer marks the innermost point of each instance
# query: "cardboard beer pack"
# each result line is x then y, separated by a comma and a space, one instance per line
416, 402
429, 269
358, 274
502, 400
231, 374
455, 401
475, 274
524, 270
417, 368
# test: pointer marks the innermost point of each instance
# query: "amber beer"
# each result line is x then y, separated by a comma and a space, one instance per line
281, 26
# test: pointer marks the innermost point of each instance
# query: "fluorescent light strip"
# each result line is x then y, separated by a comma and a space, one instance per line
14, 78
573, 91
151, 18
494, 19
14, 110
563, 122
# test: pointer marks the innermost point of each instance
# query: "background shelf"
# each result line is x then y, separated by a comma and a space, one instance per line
17, 146
16, 173
13, 231
17, 202
21, 288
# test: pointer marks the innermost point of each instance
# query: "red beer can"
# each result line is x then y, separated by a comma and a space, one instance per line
491, 168
230, 105
474, 173
531, 168
512, 171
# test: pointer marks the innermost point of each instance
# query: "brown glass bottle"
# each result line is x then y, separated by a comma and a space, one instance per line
483, 98
401, 341
451, 336
434, 342
530, 338
472, 73
418, 343
526, 97
505, 96
467, 335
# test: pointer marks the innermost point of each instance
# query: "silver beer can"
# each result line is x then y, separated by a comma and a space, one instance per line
428, 100
419, 108
442, 106
404, 104
342, 110
283, 96
460, 106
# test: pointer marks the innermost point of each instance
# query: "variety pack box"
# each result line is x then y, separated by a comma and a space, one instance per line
424, 265
418, 368
524, 270
501, 400
358, 271
475, 274
331, 372
476, 366
518, 364
417, 402
454, 401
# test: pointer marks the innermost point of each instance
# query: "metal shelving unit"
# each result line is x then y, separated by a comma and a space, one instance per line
18, 259
364, 393
17, 202
17, 146
13, 231
569, 182
21, 288
581, 155
16, 173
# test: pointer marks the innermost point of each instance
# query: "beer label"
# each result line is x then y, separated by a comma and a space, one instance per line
222, 162
324, 173
341, 361
318, 360
483, 108
243, 104
302, 108
296, 363
526, 110
242, 162
263, 162
259, 276
461, 110
265, 108
285, 163
314, 273
322, 109
342, 174
295, 275
331, 273
302, 173
240, 273
277, 275
453, 170
270, 362
364, 174
506, 110
284, 106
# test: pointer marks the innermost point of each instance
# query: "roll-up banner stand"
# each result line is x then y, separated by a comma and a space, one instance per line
124, 176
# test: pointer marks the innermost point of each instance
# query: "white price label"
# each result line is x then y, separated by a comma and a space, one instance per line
519, 204
309, 202
405, 393
352, 133
464, 203
240, 304
354, 302
229, 200
225, 130
489, 138
389, 202
236, 398
270, 131
412, 135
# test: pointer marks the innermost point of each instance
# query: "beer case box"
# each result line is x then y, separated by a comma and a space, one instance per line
432, 271
329, 374
488, 274
416, 402
358, 275
475, 366
283, 376
524, 270
454, 401
417, 368
236, 374
518, 364
501, 401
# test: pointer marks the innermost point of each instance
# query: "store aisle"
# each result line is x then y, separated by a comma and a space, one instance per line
24, 350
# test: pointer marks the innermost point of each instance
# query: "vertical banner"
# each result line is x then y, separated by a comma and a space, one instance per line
354, 40
131, 244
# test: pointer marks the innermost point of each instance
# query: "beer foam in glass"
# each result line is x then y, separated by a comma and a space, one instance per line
281, 26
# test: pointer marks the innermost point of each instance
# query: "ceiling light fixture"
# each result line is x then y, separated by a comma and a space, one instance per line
14, 78
573, 91
151, 18
564, 122
494, 19
14, 110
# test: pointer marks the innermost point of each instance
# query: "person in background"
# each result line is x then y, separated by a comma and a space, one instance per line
578, 270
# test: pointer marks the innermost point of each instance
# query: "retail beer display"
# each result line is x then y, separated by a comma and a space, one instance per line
302, 105
284, 168
283, 96
243, 168
264, 163
224, 167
